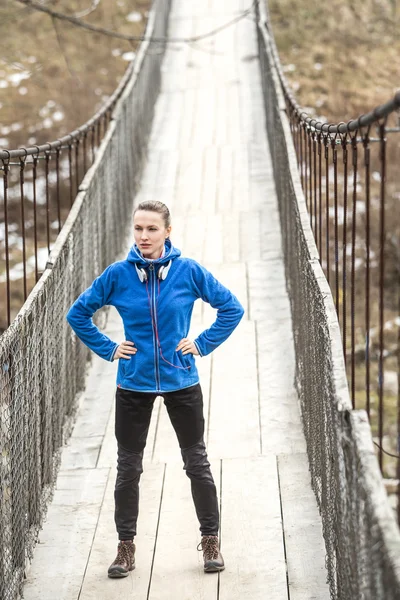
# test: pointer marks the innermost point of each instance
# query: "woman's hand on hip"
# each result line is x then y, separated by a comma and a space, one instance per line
187, 347
125, 350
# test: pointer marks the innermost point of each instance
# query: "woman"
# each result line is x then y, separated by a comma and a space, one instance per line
154, 290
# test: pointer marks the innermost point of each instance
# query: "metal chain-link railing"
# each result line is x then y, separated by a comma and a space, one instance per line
42, 366
361, 536
350, 179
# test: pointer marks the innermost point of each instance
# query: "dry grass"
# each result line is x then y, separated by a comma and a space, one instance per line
56, 74
341, 58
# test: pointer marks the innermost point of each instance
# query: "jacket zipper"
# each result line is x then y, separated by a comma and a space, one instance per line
154, 325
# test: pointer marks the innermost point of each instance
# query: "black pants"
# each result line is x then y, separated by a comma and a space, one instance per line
132, 420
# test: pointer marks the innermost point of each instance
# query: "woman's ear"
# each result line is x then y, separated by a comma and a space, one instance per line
168, 231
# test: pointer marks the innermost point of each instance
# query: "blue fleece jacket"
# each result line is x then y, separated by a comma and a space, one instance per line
155, 309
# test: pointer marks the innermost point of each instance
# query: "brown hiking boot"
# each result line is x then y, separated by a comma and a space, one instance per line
213, 560
124, 562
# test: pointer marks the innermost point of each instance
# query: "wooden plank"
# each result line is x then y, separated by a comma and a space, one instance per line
195, 236
204, 117
178, 566
233, 114
166, 178
96, 584
268, 297
81, 453
59, 564
250, 235
189, 181
209, 191
251, 531
108, 451
241, 191
281, 428
167, 135
234, 277
234, 412
187, 118
213, 247
224, 192
231, 245
305, 550
220, 122
97, 401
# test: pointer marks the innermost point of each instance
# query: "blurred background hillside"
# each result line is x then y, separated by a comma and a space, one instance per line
53, 75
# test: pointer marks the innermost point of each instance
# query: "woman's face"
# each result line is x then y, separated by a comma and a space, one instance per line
150, 233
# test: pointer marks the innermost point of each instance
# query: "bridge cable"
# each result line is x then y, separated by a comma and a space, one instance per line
138, 38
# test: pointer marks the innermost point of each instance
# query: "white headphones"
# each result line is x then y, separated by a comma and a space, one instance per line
161, 274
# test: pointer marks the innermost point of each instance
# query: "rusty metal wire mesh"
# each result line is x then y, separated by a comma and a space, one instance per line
42, 366
361, 536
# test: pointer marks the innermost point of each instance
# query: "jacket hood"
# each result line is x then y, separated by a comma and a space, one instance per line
136, 257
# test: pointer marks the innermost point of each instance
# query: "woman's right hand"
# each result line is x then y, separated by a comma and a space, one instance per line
125, 350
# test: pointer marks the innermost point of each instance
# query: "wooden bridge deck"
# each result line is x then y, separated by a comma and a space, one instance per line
209, 160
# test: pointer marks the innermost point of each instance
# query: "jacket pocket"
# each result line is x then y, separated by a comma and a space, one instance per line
185, 360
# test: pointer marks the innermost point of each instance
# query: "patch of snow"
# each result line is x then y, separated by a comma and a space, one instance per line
42, 257
288, 68
317, 66
15, 240
128, 56
3, 83
3, 142
31, 59
31, 141
58, 115
340, 214
47, 123
358, 263
134, 17
51, 103
16, 127
17, 271
376, 176
23, 90
116, 52
16, 78
14, 191
44, 111
360, 207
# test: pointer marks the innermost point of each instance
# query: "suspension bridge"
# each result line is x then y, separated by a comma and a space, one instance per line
211, 130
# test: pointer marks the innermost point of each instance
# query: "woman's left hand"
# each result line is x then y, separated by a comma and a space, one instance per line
187, 347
